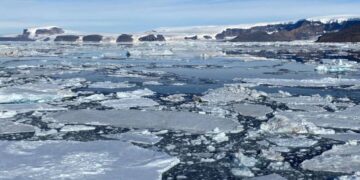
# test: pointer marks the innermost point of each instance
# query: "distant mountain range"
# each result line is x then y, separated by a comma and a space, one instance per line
340, 29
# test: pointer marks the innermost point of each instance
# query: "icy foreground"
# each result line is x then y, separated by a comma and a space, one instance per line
179, 110
81, 160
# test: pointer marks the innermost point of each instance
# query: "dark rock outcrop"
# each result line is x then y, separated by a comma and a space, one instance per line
67, 38
49, 32
350, 34
191, 38
152, 37
300, 30
92, 38
207, 37
124, 38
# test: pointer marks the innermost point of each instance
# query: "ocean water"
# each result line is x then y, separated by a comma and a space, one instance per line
177, 110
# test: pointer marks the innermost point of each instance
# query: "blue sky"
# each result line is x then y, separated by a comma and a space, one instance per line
115, 16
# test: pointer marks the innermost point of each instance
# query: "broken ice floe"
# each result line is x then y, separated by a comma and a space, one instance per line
284, 124
293, 142
131, 99
81, 160
341, 158
9, 127
231, 93
253, 110
184, 121
142, 137
324, 82
335, 67
346, 119
76, 128
40, 92
111, 85
269, 177
127, 103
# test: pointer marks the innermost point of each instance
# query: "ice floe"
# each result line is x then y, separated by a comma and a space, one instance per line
184, 121
111, 85
269, 177
346, 119
232, 93
252, 110
324, 82
341, 158
143, 137
9, 127
293, 142
81, 160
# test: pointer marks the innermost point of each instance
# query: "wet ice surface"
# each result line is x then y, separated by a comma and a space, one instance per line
179, 110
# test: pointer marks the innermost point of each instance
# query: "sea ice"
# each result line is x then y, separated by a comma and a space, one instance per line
81, 160
184, 121
9, 127
111, 85
127, 103
269, 177
324, 82
231, 93
143, 137
293, 142
346, 119
341, 158
252, 110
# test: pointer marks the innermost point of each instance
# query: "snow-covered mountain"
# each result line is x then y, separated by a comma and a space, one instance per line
305, 29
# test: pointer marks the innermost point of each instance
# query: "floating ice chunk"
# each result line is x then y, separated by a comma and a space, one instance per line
221, 137
40, 92
231, 93
153, 83
346, 137
245, 160
305, 100
7, 114
94, 97
9, 127
111, 85
324, 82
269, 177
253, 110
143, 137
22, 108
127, 103
346, 119
75, 128
242, 172
81, 160
342, 158
355, 176
135, 94
293, 142
334, 67
184, 121
271, 154
174, 98
287, 124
